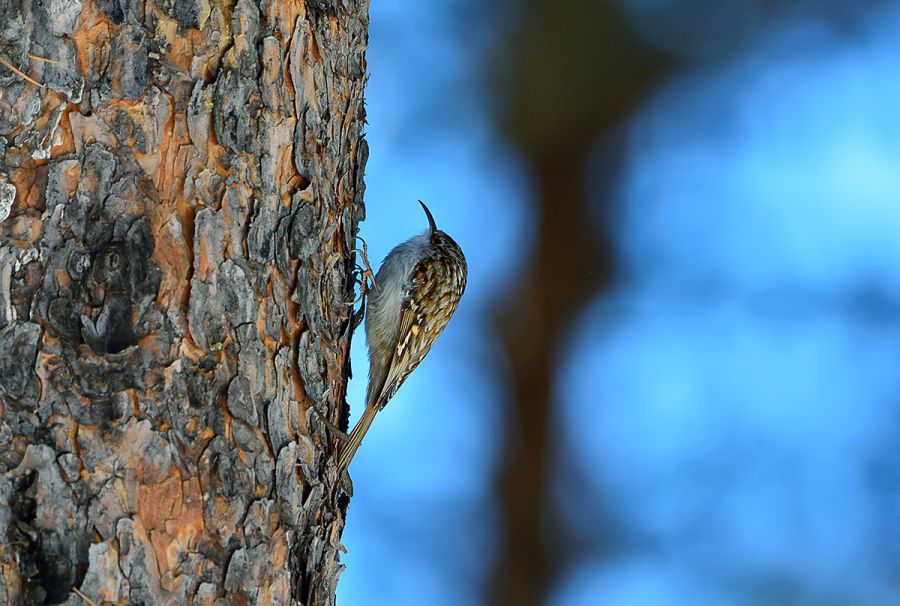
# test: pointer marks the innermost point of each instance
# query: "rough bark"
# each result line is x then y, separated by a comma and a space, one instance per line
183, 194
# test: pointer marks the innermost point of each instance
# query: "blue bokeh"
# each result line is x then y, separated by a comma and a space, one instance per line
731, 403
741, 380
420, 528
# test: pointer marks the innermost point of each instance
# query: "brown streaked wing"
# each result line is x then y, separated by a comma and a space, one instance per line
397, 372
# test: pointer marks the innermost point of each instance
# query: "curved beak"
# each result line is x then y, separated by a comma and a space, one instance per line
431, 226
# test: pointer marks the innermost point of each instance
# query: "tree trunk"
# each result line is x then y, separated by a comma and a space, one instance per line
556, 122
179, 202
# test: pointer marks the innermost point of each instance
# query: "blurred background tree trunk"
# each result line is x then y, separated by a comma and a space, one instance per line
592, 71
180, 189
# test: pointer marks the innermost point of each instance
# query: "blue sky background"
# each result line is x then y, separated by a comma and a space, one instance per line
732, 401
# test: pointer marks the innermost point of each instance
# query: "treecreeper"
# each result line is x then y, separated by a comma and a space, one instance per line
417, 289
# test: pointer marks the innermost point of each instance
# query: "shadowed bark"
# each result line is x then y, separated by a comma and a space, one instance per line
178, 207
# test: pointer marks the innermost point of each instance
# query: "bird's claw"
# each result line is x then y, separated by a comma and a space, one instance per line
366, 282
366, 269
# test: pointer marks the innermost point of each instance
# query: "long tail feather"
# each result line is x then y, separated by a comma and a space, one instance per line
356, 437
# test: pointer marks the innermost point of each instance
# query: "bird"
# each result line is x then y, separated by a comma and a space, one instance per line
416, 291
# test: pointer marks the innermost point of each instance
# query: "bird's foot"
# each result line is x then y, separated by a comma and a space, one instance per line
366, 269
